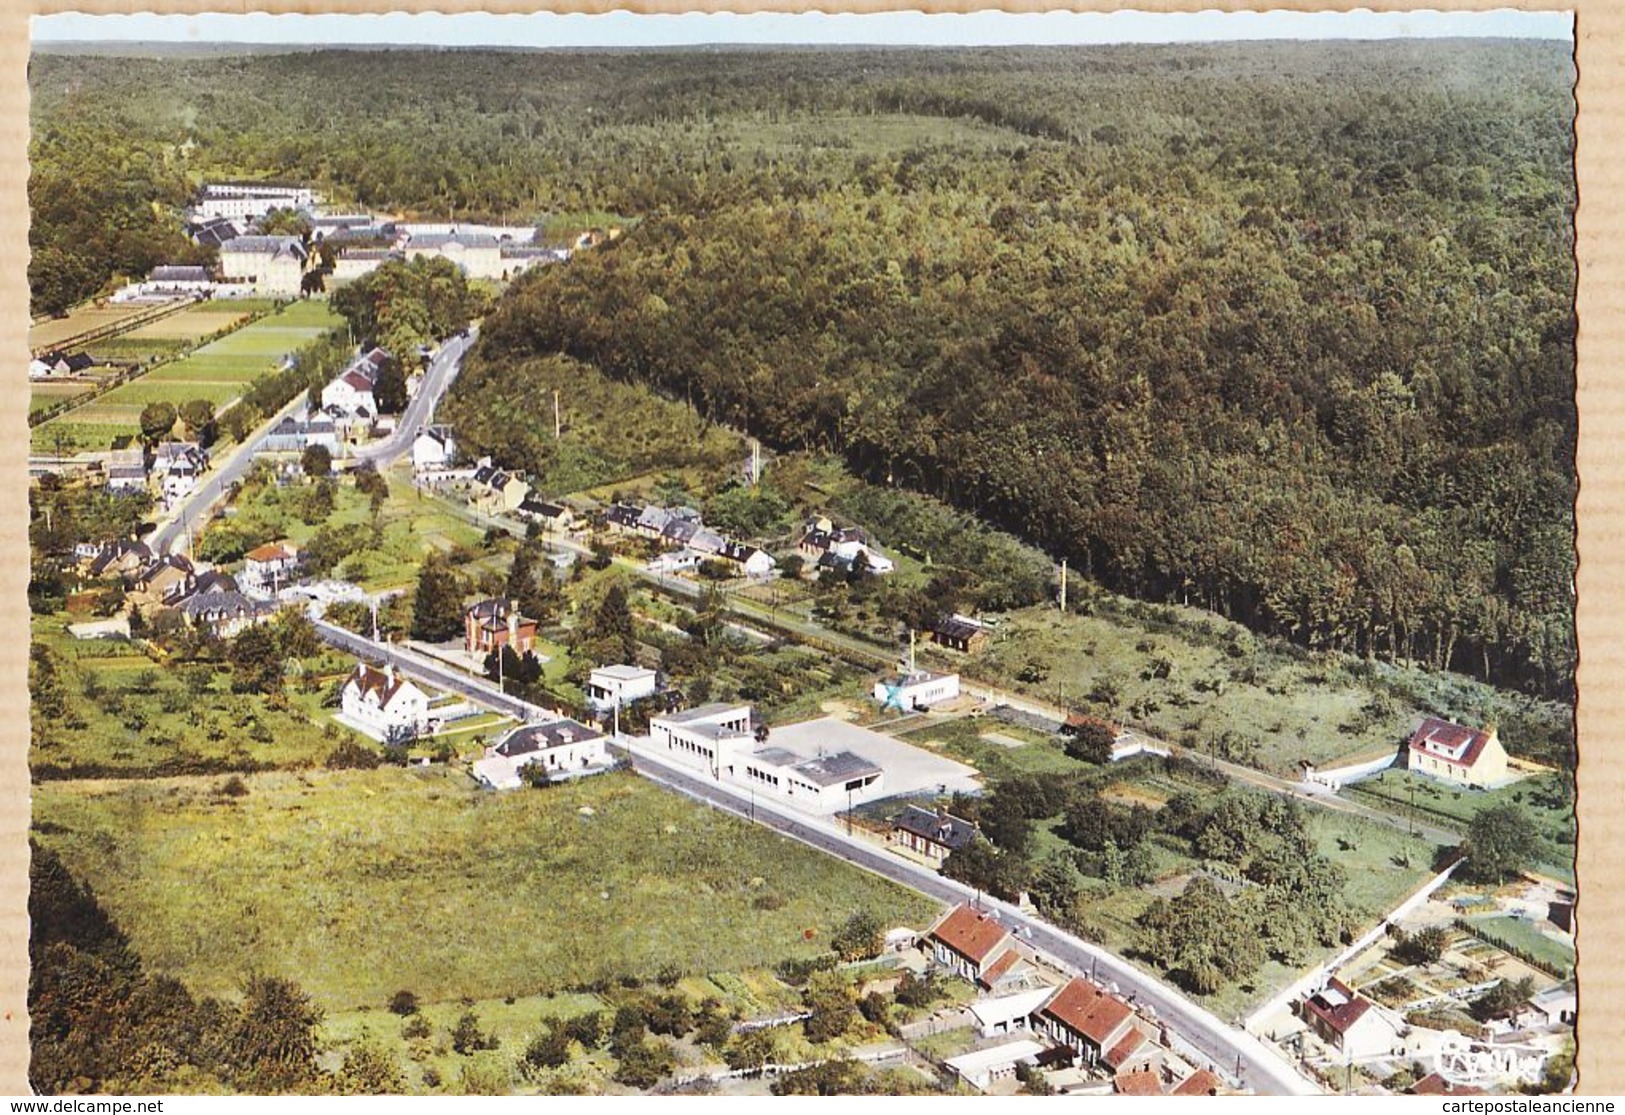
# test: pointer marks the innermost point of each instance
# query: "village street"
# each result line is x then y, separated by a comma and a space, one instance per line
1224, 1047
442, 369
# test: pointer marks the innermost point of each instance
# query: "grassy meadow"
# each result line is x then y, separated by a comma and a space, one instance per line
360, 883
1547, 799
1190, 677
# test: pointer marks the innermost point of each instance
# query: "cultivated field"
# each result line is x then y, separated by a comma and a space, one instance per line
217, 372
42, 395
359, 883
189, 325
54, 331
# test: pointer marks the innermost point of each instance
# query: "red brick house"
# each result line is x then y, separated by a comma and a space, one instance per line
497, 623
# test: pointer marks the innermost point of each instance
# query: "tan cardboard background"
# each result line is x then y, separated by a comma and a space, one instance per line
1600, 47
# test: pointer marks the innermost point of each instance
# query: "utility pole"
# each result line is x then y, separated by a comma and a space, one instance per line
558, 426
1063, 586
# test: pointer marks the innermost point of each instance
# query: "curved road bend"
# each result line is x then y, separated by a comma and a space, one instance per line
443, 368
1262, 1069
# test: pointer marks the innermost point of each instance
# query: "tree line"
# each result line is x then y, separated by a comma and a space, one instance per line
1282, 330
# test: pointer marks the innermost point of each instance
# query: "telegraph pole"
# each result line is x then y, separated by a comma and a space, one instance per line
1063, 586
558, 425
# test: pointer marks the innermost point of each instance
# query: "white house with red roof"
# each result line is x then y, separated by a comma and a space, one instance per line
971, 943
1457, 753
1350, 1023
352, 392
267, 570
1085, 1019
382, 704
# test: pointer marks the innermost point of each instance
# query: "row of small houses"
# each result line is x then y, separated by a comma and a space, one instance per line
173, 472
1079, 1023
682, 526
207, 598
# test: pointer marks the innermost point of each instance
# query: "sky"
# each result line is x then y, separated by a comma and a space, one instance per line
626, 29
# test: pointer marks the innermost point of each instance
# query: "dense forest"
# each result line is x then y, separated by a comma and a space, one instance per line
1283, 330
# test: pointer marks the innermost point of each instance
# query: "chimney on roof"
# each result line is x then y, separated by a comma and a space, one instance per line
389, 672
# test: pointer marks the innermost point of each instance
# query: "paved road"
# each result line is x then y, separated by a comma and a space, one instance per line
1221, 1044
230, 469
749, 609
427, 669
420, 411
223, 473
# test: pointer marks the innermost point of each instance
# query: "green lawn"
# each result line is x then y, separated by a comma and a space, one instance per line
1525, 937
1546, 799
1383, 864
964, 740
359, 883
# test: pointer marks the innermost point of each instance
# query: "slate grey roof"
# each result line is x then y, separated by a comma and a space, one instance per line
176, 274
269, 245
540, 737
945, 829
840, 767
436, 241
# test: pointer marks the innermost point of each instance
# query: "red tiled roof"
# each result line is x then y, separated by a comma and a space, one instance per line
971, 933
991, 974
268, 552
1125, 1049
1435, 1085
1199, 1083
1337, 1006
1141, 1083
1453, 743
369, 679
1086, 1009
